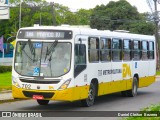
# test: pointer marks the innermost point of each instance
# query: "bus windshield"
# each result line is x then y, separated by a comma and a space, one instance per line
47, 59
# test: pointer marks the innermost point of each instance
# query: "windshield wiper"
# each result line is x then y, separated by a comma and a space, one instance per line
31, 49
51, 49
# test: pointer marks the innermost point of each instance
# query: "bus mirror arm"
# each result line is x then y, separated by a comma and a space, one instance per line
80, 40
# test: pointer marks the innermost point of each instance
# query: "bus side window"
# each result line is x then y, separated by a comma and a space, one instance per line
93, 49
151, 50
116, 49
136, 50
126, 50
144, 46
105, 49
80, 58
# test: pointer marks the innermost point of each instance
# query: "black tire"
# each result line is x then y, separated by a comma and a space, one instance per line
124, 93
43, 102
91, 96
133, 91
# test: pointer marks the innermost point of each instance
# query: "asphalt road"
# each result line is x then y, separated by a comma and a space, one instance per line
113, 102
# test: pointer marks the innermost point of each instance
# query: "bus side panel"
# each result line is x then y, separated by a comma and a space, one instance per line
72, 94
104, 78
127, 74
119, 80
81, 86
117, 84
144, 70
145, 81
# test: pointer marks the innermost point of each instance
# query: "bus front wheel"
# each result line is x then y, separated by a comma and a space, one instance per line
91, 96
43, 102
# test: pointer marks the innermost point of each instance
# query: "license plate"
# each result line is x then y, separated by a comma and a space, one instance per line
38, 97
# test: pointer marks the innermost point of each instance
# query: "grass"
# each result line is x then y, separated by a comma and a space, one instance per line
153, 109
5, 81
157, 72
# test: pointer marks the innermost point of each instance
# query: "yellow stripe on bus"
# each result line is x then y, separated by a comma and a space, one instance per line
81, 92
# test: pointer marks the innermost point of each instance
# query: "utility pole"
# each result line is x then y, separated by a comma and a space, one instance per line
53, 14
40, 17
20, 14
156, 20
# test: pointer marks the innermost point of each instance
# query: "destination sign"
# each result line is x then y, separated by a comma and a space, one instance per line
44, 34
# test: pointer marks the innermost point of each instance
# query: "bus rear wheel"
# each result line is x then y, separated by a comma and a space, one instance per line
124, 93
43, 102
133, 91
91, 96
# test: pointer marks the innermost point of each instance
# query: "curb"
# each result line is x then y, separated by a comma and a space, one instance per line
5, 91
11, 100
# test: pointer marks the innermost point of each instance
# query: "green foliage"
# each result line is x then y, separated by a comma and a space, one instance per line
120, 15
43, 13
5, 81
157, 72
4, 69
153, 109
84, 16
113, 16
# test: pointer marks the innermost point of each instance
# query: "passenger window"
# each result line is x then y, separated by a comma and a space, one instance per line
136, 50
126, 50
116, 49
105, 49
151, 50
93, 49
144, 50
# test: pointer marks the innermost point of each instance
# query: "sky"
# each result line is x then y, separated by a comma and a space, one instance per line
74, 5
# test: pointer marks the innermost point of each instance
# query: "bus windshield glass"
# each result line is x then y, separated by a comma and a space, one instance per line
46, 59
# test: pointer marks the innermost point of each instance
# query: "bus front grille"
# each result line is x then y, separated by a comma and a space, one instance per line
40, 81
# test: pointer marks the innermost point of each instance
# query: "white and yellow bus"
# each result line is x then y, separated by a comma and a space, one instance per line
69, 64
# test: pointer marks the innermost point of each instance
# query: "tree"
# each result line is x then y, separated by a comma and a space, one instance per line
119, 15
41, 12
84, 16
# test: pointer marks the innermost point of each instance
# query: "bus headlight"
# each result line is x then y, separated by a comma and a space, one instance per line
65, 84
14, 82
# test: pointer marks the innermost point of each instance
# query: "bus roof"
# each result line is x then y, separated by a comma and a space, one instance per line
94, 32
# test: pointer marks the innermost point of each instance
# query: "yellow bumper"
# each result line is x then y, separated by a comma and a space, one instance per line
70, 94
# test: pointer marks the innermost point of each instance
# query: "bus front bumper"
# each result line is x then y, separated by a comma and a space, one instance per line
69, 94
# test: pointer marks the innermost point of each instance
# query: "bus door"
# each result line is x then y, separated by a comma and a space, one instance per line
80, 66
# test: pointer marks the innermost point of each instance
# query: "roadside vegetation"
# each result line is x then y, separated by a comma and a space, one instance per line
5, 81
116, 15
151, 110
5, 77
158, 73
